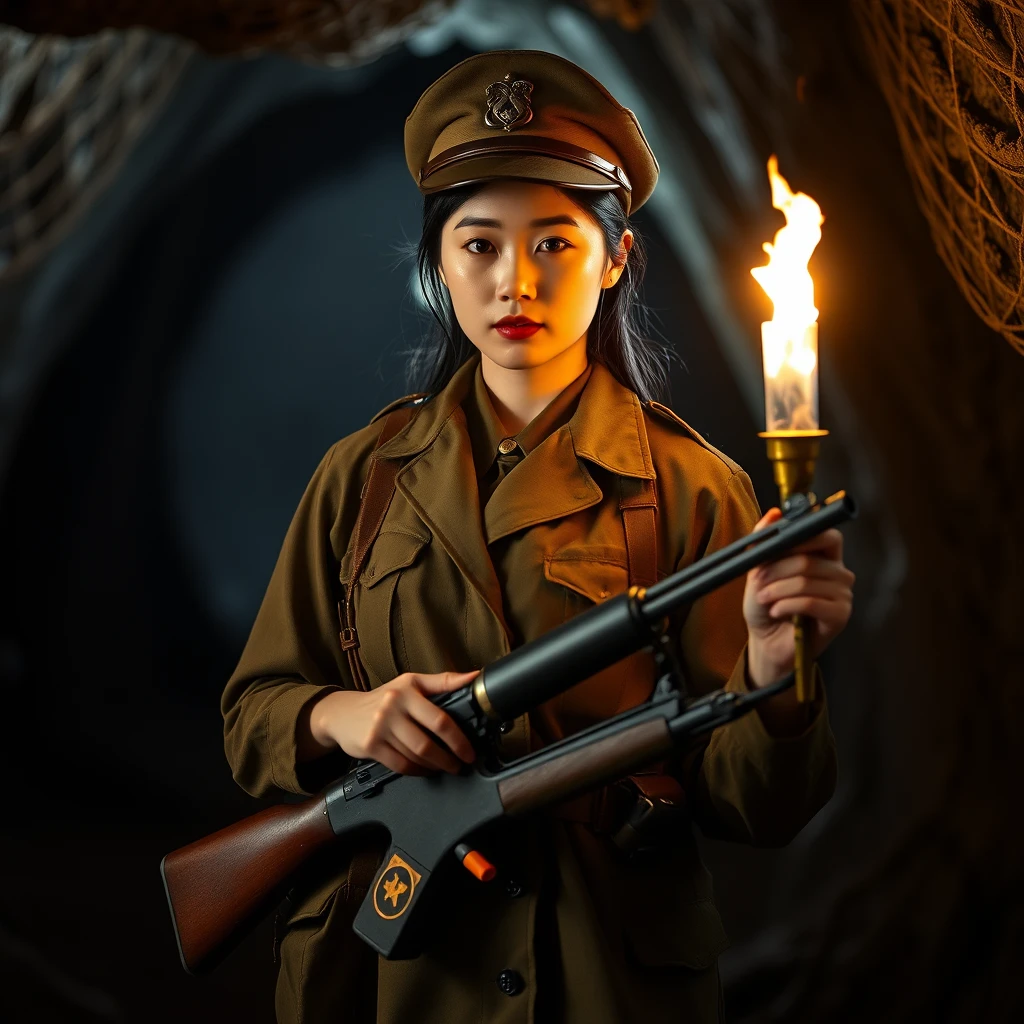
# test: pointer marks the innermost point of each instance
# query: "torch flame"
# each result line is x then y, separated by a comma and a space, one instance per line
790, 338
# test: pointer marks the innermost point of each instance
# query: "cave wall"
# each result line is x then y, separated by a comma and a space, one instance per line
901, 901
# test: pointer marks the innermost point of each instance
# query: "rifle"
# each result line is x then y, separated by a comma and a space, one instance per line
216, 887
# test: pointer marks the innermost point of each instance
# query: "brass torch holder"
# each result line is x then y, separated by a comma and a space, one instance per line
793, 454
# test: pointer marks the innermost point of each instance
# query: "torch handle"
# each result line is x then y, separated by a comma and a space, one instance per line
793, 454
803, 663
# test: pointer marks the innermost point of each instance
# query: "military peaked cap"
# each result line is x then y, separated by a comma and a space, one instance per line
527, 114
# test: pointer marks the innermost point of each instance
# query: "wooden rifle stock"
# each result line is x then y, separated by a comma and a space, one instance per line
583, 769
217, 886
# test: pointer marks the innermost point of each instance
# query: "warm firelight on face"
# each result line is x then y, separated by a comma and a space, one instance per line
790, 339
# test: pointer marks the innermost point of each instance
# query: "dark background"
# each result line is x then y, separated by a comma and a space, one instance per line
239, 301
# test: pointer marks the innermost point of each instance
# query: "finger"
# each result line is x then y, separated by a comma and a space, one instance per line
402, 732
803, 586
430, 717
423, 749
442, 682
393, 757
773, 515
826, 547
827, 612
811, 565
829, 542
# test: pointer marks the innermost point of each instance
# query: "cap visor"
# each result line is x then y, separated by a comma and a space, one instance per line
533, 168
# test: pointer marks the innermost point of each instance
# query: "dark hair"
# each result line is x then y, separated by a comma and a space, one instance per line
619, 336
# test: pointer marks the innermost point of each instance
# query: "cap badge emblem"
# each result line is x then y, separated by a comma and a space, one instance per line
508, 103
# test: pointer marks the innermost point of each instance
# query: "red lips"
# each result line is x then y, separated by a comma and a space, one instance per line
516, 328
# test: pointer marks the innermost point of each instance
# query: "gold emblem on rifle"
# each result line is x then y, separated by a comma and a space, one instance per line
395, 888
508, 103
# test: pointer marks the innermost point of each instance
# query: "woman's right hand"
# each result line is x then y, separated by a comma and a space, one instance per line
391, 724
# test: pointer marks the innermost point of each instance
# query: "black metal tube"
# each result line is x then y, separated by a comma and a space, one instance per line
568, 654
707, 574
720, 707
611, 631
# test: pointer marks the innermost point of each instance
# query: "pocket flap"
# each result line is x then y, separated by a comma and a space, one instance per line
595, 572
391, 551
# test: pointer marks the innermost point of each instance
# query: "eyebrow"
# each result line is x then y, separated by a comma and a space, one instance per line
542, 222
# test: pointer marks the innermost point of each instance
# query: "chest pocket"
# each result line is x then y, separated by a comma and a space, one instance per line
594, 573
587, 576
378, 613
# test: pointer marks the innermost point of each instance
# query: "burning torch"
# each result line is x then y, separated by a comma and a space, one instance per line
789, 343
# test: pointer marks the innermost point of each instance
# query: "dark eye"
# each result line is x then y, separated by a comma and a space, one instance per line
553, 245
470, 246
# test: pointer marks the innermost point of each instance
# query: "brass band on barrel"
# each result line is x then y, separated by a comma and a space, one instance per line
483, 702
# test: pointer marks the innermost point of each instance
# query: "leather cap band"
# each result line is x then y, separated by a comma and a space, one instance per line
536, 145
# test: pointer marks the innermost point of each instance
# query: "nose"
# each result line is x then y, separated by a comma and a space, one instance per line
518, 277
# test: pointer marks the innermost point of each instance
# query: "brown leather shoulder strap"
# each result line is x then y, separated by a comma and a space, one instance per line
638, 504
373, 506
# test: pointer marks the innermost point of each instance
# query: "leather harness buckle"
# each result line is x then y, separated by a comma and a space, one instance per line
658, 809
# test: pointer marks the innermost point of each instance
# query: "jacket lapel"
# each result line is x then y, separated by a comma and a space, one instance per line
607, 428
549, 483
439, 482
439, 478
441, 486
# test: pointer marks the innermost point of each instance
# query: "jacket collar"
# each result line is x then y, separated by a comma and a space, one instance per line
554, 480
486, 430
422, 430
607, 427
439, 479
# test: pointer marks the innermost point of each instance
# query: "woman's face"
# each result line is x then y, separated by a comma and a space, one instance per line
521, 249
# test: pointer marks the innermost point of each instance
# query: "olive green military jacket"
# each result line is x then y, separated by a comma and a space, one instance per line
584, 934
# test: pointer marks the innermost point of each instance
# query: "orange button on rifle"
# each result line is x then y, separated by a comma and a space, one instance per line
475, 863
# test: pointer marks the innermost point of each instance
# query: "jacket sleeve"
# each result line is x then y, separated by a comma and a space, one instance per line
293, 656
745, 784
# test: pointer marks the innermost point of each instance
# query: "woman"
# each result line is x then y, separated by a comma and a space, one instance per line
536, 479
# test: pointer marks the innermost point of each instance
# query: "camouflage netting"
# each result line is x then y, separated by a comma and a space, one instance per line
72, 109
338, 31
953, 73
69, 112
950, 70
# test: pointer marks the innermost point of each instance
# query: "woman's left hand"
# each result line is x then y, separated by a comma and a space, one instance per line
811, 580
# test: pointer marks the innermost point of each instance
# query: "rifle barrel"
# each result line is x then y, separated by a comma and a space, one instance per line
622, 625
711, 572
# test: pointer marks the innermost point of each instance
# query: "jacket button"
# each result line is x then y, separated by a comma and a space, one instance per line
511, 982
514, 888
507, 446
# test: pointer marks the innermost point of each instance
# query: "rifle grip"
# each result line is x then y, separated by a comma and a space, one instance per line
217, 885
384, 920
